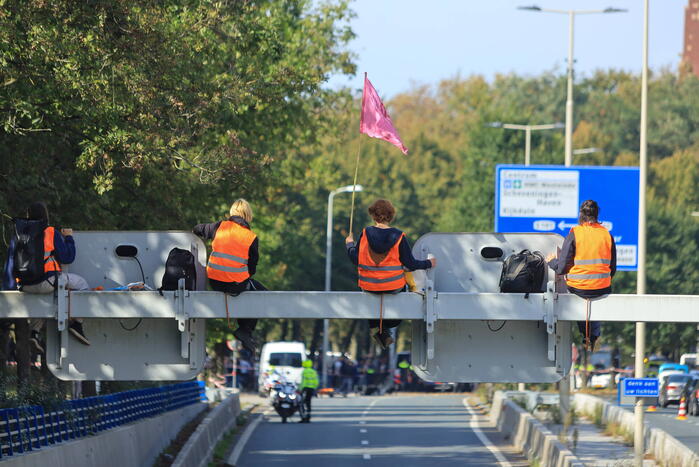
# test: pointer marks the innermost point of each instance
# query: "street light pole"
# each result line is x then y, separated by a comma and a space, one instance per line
528, 145
528, 134
639, 449
569, 99
328, 269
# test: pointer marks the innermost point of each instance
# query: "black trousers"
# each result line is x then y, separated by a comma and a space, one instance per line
307, 394
595, 326
236, 288
387, 323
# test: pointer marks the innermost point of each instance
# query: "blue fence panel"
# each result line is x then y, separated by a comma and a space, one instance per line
31, 427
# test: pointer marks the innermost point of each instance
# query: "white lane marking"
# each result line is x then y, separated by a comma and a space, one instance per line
369, 408
238, 450
363, 430
483, 438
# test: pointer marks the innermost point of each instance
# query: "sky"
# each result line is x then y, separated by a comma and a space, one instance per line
403, 43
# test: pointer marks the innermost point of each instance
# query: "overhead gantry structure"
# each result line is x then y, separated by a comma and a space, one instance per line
463, 329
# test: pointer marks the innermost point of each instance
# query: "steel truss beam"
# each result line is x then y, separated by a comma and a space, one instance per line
350, 305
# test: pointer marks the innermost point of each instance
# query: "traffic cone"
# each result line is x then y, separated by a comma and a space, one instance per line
652, 408
682, 414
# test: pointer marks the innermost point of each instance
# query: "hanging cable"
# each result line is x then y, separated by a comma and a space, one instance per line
487, 323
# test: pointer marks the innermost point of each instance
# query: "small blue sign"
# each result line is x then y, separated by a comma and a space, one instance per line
639, 387
547, 198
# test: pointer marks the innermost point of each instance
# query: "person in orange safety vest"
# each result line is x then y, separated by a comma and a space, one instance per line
588, 259
382, 253
233, 261
59, 249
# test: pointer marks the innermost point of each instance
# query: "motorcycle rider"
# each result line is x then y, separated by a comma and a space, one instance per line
308, 386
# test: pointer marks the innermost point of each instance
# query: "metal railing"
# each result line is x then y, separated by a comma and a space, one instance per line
30, 428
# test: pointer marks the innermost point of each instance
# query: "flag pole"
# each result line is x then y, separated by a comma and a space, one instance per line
359, 148
354, 184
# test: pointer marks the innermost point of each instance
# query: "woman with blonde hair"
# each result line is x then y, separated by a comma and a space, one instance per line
233, 260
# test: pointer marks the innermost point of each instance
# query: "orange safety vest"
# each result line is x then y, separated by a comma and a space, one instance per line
50, 263
228, 261
379, 273
593, 256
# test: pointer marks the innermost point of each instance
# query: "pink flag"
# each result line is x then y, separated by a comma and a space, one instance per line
375, 121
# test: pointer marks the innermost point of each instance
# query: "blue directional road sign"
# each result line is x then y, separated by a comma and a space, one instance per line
639, 387
547, 198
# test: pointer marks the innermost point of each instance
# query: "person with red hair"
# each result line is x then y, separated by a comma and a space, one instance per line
382, 254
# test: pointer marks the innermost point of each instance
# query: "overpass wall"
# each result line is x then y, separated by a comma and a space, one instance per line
199, 448
529, 435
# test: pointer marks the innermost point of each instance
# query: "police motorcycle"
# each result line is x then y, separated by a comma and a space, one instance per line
286, 400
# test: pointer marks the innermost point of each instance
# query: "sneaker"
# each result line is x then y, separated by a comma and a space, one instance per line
35, 341
589, 344
245, 338
384, 338
76, 329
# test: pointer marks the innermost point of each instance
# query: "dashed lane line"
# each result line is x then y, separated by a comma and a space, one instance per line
483, 438
366, 456
366, 411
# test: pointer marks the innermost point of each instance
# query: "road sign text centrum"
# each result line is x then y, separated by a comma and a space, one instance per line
546, 198
639, 387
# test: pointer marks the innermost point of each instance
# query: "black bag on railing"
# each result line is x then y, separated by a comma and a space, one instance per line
524, 272
179, 264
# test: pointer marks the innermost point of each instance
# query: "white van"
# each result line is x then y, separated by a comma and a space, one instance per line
285, 358
689, 359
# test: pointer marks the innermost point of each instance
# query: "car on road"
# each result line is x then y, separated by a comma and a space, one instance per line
672, 388
600, 380
692, 391
673, 367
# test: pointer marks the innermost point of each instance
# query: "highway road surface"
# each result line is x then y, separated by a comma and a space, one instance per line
685, 431
420, 430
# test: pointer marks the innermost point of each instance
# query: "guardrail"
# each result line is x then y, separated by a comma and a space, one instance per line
30, 428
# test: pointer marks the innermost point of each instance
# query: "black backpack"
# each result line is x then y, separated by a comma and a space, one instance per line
523, 272
28, 258
179, 264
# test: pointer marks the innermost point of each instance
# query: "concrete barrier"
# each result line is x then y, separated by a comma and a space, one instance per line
139, 443
529, 435
199, 448
664, 447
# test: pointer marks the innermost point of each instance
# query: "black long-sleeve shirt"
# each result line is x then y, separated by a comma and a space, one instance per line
208, 231
382, 240
566, 260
